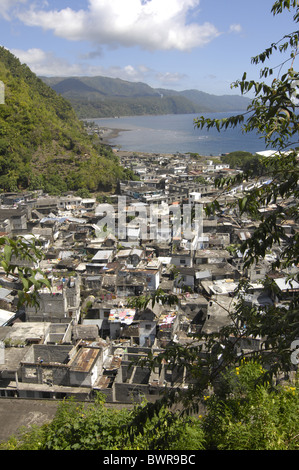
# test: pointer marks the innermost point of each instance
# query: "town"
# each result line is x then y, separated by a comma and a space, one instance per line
84, 336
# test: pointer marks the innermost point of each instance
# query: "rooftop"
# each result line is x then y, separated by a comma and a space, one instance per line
84, 360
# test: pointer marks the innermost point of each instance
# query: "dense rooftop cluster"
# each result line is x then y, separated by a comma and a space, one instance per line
84, 334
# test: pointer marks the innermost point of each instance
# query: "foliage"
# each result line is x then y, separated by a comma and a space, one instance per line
245, 161
81, 426
274, 114
246, 415
136, 106
95, 97
130, 175
242, 414
19, 256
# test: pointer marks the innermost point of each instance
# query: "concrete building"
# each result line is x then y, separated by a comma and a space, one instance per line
60, 304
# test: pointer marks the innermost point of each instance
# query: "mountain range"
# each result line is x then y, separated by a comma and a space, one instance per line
96, 97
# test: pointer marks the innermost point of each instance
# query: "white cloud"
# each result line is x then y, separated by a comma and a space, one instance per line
7, 5
235, 28
47, 64
169, 78
152, 25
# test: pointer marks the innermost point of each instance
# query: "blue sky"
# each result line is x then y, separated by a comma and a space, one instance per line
176, 44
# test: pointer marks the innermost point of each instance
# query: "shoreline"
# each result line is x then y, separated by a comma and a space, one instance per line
174, 134
108, 134
213, 147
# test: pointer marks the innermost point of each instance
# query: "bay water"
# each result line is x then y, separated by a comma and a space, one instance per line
176, 133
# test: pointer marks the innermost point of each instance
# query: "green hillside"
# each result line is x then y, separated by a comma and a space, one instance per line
94, 107
96, 97
223, 103
43, 145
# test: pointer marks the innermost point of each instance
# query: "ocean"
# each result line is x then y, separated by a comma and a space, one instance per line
176, 133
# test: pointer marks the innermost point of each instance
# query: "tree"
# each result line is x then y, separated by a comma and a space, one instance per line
244, 416
81, 426
273, 112
14, 258
238, 416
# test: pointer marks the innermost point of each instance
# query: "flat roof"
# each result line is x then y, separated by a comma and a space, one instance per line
103, 254
22, 331
122, 315
5, 316
286, 284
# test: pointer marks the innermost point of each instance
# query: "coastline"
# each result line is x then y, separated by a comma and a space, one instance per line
172, 134
108, 134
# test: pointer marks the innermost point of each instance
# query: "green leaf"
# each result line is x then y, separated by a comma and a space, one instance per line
7, 253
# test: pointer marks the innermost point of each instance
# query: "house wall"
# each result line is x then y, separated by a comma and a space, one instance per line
152, 279
47, 374
50, 305
147, 333
256, 273
19, 223
46, 364
114, 329
108, 392
182, 260
184, 280
51, 353
174, 375
47, 317
133, 353
135, 387
49, 365
124, 373
59, 333
126, 393
81, 379
58, 307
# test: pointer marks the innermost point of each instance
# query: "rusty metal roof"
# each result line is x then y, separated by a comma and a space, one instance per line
84, 360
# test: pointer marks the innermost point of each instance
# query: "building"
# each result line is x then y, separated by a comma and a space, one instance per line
60, 304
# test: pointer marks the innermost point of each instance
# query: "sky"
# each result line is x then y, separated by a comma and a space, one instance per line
176, 44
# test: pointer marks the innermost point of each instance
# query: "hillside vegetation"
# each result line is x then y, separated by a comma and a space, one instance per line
43, 145
96, 97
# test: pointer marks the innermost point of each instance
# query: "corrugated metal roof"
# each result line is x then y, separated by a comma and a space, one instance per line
84, 359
